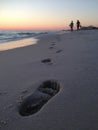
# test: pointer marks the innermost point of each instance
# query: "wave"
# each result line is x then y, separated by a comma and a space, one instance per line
6, 36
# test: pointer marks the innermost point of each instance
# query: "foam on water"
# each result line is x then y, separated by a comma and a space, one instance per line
16, 39
6, 36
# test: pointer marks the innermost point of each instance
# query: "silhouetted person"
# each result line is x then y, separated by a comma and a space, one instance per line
71, 25
78, 24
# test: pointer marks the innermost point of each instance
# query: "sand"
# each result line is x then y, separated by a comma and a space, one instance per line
71, 59
17, 44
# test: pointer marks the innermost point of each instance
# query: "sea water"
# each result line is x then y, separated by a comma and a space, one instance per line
16, 39
9, 35
19, 38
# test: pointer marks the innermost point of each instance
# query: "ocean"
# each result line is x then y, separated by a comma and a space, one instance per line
15, 39
9, 35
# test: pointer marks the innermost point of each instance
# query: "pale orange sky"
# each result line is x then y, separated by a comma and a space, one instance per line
46, 14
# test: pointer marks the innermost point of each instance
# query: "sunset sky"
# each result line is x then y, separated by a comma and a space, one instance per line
46, 14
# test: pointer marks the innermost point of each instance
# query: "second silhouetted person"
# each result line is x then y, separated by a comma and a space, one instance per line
78, 24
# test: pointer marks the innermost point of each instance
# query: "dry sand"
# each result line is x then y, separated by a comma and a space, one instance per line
70, 59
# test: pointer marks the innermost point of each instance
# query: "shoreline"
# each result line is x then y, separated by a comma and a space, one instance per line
17, 43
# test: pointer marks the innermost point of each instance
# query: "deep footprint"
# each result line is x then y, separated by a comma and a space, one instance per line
48, 60
58, 51
39, 98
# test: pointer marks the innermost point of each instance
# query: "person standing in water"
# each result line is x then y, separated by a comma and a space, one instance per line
71, 25
78, 24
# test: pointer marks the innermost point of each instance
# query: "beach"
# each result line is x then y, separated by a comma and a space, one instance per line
69, 59
17, 44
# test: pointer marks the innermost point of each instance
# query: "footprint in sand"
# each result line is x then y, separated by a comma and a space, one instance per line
58, 51
39, 98
51, 47
47, 61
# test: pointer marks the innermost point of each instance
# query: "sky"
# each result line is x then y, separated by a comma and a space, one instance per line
46, 14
